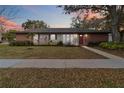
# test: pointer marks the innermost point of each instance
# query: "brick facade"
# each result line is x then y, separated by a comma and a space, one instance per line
97, 37
23, 37
86, 38
83, 40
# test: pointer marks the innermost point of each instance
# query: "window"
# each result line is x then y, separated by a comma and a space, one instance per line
52, 37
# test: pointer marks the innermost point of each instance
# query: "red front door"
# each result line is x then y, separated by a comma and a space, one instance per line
81, 40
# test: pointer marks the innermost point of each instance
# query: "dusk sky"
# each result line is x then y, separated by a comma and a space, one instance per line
52, 15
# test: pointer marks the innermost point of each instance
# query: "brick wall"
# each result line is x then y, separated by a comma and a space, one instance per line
23, 37
97, 37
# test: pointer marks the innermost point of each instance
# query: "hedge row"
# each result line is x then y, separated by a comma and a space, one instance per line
112, 45
95, 43
21, 43
30, 43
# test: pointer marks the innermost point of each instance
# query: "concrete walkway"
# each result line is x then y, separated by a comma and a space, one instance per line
105, 54
61, 63
112, 62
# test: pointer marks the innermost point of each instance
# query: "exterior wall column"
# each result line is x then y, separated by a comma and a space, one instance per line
70, 39
65, 38
61, 39
78, 39
49, 36
38, 39
55, 36
109, 37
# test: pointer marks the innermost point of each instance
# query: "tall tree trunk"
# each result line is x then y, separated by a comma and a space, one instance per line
115, 32
121, 36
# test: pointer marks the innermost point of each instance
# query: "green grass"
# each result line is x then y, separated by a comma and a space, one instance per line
46, 52
61, 78
117, 52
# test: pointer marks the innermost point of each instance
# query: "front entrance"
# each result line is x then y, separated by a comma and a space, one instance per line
83, 40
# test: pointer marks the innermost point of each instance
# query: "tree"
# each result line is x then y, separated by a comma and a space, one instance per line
2, 29
93, 23
76, 23
9, 36
121, 27
34, 24
8, 12
110, 12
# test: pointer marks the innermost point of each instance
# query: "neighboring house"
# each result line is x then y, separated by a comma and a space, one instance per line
72, 36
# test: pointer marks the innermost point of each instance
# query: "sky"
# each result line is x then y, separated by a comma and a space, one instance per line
50, 14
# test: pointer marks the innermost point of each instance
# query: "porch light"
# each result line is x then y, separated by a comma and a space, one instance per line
86, 35
80, 35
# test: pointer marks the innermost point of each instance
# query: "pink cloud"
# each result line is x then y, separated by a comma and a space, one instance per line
91, 15
88, 15
8, 24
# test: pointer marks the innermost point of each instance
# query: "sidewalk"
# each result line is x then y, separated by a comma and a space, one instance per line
61, 63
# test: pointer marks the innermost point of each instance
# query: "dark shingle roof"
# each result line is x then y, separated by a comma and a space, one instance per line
62, 31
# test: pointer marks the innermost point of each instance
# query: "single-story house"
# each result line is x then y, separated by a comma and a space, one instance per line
72, 36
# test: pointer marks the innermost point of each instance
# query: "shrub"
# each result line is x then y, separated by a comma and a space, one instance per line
112, 45
60, 43
10, 36
52, 42
67, 44
93, 43
21, 43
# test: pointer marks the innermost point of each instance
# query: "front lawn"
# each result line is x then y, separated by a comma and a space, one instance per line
46, 52
118, 52
61, 78
112, 48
